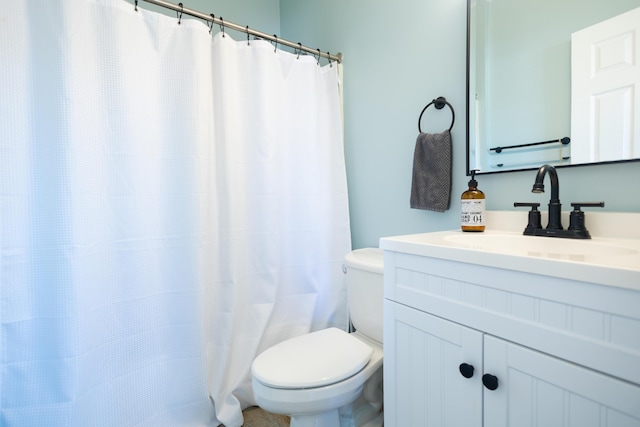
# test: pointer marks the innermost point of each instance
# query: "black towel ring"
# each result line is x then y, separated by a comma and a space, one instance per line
439, 103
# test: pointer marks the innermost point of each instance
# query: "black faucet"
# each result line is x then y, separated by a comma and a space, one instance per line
554, 202
577, 228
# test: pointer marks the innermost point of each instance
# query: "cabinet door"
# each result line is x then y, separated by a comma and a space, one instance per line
535, 389
423, 385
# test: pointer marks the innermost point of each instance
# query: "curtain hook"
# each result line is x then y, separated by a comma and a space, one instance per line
329, 57
299, 50
222, 26
179, 15
275, 48
319, 54
136, 6
213, 18
247, 30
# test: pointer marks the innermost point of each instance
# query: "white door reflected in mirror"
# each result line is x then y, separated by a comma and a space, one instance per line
605, 90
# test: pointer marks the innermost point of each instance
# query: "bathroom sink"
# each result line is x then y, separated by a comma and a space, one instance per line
611, 257
547, 247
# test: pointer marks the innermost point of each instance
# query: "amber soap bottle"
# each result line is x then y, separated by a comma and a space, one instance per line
473, 206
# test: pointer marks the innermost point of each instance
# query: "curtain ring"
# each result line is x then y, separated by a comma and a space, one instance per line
213, 18
275, 47
329, 57
179, 15
299, 50
136, 6
222, 26
318, 60
247, 30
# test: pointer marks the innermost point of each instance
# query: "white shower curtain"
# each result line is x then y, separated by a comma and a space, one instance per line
171, 204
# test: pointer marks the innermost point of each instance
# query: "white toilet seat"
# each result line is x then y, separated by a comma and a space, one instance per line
313, 360
318, 399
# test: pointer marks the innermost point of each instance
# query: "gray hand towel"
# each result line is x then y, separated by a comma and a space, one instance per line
431, 180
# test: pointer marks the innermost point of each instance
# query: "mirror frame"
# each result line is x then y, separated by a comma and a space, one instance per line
467, 130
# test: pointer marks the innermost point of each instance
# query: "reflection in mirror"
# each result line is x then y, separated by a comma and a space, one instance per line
519, 97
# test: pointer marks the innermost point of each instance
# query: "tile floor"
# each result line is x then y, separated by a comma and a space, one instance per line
256, 417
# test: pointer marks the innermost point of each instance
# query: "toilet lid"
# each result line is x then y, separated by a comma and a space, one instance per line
312, 360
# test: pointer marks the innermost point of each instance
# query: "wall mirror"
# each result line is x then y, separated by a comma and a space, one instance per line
519, 84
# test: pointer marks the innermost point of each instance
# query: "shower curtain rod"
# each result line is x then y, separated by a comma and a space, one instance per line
220, 21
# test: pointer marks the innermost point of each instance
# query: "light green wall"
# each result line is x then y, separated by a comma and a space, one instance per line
398, 56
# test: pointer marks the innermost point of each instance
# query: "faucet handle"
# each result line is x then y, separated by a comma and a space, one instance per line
577, 205
534, 206
576, 218
534, 216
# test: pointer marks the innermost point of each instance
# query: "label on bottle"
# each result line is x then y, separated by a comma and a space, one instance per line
473, 211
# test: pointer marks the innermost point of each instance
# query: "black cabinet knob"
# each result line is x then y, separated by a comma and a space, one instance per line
490, 381
466, 370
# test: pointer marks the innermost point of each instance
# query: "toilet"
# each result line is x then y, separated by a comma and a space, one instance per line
331, 378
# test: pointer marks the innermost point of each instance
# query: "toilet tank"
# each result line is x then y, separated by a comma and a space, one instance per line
364, 281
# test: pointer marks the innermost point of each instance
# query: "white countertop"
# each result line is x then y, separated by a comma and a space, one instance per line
613, 260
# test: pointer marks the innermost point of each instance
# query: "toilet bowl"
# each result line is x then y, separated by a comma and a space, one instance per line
331, 378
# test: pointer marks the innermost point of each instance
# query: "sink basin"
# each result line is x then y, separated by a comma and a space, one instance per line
547, 247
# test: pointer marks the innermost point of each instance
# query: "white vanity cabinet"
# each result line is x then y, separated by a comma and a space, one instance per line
563, 352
